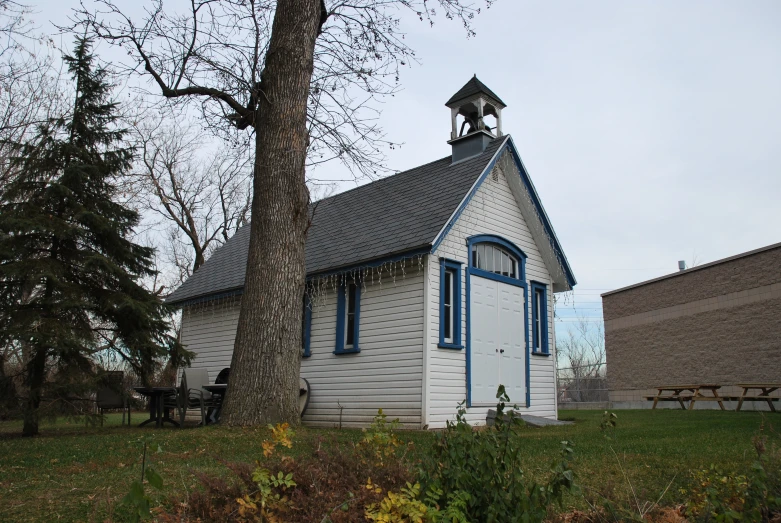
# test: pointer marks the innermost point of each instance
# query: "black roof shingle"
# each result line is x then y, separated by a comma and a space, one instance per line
472, 87
394, 215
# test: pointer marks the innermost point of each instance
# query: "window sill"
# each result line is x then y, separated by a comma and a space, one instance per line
541, 354
354, 350
452, 346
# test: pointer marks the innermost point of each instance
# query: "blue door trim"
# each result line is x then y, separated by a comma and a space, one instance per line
521, 282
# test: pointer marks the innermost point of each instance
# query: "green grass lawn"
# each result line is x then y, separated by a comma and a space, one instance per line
74, 473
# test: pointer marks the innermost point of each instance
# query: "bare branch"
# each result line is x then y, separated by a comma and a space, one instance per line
216, 51
199, 198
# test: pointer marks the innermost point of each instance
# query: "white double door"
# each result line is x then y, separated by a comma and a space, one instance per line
497, 348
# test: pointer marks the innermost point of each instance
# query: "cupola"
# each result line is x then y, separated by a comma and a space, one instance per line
473, 102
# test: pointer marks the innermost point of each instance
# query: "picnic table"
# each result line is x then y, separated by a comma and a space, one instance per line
694, 394
157, 413
765, 395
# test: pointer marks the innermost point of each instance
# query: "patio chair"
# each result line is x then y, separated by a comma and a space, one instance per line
111, 395
222, 377
173, 401
213, 414
192, 396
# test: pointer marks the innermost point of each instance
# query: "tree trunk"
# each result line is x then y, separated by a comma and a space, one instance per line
7, 392
263, 386
35, 376
199, 257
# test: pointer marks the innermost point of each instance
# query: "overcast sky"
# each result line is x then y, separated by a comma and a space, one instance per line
651, 130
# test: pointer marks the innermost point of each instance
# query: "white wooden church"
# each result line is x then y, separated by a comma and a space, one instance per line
426, 288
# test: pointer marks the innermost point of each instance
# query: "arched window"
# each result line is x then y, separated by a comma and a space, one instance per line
494, 258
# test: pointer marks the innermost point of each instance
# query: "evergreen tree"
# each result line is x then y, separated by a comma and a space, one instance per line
69, 273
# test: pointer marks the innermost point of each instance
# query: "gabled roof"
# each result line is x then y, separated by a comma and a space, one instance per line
471, 88
399, 214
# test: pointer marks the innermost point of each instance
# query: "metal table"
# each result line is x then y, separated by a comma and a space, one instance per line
157, 414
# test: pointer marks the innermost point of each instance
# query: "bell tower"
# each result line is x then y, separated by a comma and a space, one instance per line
473, 102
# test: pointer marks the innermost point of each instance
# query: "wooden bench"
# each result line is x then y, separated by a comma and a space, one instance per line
679, 399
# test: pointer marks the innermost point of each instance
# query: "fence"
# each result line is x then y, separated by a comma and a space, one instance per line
582, 383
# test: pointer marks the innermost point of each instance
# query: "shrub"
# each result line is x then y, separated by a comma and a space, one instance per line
753, 497
403, 506
328, 485
479, 470
471, 476
380, 443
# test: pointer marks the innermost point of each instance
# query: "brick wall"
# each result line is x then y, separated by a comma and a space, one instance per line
740, 344
763, 268
719, 324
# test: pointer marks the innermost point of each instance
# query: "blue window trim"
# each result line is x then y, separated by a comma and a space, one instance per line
341, 304
498, 277
455, 266
306, 340
520, 282
506, 244
537, 286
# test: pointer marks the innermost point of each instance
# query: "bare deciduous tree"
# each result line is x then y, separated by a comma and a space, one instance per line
30, 93
301, 74
198, 198
581, 359
14, 27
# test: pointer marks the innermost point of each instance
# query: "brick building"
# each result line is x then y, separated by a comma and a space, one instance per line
715, 323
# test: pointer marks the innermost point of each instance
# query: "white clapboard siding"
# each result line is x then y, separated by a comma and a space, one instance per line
209, 330
492, 210
387, 373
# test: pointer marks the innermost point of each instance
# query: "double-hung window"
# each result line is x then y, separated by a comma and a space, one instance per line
539, 299
348, 310
450, 304
349, 331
